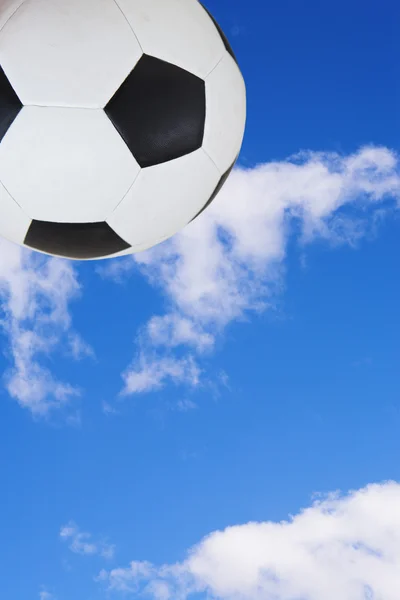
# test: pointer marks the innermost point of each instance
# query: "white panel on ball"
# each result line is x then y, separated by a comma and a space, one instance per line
14, 223
7, 9
226, 113
75, 166
177, 31
164, 198
73, 53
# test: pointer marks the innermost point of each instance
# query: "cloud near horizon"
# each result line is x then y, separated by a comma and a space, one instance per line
230, 261
343, 547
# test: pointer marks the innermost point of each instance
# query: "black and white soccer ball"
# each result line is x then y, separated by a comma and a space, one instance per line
120, 120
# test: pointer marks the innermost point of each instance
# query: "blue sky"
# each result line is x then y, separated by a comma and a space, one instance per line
145, 408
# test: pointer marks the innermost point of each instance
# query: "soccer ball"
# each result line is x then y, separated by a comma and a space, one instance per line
120, 120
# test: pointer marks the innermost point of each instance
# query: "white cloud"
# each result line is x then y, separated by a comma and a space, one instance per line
230, 260
109, 409
45, 595
82, 542
173, 330
345, 547
185, 405
78, 348
150, 372
35, 293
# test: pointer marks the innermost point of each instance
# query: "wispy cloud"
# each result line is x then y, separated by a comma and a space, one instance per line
343, 546
35, 294
82, 542
109, 409
231, 260
185, 405
150, 372
45, 595
77, 347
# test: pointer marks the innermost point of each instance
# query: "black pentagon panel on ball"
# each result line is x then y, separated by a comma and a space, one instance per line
10, 104
227, 45
159, 111
75, 240
217, 190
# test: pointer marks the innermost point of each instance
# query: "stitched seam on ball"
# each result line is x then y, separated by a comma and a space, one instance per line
130, 26
17, 203
63, 107
11, 16
213, 161
125, 195
217, 65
